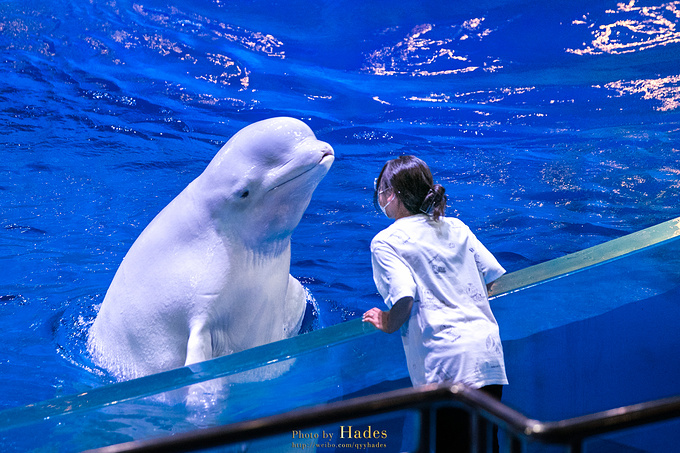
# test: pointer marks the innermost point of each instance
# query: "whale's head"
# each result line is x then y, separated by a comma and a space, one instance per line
260, 183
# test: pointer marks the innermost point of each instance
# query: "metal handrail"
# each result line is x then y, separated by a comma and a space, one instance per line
571, 431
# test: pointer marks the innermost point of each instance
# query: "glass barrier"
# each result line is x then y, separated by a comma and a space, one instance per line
341, 371
584, 293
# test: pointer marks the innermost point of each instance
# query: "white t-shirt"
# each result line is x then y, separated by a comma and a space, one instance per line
452, 335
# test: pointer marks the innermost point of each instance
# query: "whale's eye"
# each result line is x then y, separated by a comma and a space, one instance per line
245, 194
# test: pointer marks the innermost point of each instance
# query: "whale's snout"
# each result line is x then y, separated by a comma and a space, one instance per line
328, 153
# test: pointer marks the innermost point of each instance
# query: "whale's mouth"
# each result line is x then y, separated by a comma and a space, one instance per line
328, 153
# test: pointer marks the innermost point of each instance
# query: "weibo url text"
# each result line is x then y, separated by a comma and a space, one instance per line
348, 437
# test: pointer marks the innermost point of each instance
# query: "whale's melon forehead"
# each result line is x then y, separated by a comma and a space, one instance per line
264, 156
283, 130
268, 143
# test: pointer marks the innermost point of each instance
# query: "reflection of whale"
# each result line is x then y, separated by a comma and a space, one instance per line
209, 275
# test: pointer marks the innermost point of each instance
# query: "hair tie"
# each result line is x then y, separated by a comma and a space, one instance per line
428, 203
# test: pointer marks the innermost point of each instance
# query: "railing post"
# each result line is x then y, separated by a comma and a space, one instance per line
576, 446
515, 445
425, 430
476, 441
482, 433
454, 431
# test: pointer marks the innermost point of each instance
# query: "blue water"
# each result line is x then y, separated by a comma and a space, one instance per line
553, 128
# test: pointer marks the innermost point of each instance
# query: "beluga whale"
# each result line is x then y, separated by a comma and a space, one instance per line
210, 275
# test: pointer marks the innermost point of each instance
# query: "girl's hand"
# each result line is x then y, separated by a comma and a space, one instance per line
390, 321
377, 317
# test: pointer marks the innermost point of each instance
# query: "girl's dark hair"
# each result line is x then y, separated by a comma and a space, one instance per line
411, 180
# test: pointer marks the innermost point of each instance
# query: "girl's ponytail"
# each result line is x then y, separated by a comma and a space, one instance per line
434, 204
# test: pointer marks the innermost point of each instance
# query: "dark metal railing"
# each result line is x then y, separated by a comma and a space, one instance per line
484, 411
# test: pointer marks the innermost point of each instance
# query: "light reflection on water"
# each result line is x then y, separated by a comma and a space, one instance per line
430, 50
632, 28
665, 90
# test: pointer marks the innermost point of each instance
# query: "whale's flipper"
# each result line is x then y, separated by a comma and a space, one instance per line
295, 303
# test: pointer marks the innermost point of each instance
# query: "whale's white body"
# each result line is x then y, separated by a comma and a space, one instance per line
209, 275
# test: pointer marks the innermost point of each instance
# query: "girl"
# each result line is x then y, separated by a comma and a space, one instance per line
434, 274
